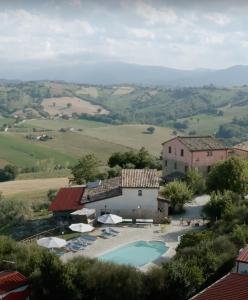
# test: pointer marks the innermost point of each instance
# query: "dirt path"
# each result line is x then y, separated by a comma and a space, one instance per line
18, 186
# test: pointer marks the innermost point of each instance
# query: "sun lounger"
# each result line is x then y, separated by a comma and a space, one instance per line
143, 222
114, 230
109, 231
83, 242
89, 238
127, 221
105, 235
75, 247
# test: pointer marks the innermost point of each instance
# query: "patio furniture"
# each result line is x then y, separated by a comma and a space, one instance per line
109, 231
127, 221
75, 246
89, 238
144, 221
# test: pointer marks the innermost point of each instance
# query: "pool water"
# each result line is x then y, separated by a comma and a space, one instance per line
136, 254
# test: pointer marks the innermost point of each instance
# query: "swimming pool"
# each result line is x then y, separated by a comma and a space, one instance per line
136, 254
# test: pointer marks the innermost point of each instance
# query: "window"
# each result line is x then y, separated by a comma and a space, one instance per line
186, 169
139, 192
209, 169
182, 152
209, 153
169, 150
175, 165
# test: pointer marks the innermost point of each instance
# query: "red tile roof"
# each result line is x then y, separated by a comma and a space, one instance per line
68, 199
233, 286
243, 255
11, 280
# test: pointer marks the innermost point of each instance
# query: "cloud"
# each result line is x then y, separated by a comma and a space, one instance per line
141, 33
153, 15
218, 18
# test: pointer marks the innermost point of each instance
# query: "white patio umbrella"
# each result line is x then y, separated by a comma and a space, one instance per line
81, 227
109, 219
51, 242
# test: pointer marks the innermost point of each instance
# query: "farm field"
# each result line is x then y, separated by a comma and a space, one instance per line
134, 136
70, 105
59, 123
209, 124
11, 188
17, 150
116, 136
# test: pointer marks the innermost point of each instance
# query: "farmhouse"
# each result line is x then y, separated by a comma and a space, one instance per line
134, 194
195, 152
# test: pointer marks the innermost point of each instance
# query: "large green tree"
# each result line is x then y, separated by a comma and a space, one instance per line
138, 159
86, 169
231, 174
178, 193
220, 205
195, 182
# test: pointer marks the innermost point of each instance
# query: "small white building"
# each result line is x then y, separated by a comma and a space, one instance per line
132, 195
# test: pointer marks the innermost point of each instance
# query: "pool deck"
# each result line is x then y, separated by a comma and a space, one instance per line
169, 234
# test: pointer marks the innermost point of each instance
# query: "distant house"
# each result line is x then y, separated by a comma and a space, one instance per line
233, 286
13, 285
134, 194
194, 152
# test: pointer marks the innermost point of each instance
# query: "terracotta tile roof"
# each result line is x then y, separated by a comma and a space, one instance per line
68, 199
11, 280
233, 286
139, 178
200, 143
242, 146
243, 255
107, 189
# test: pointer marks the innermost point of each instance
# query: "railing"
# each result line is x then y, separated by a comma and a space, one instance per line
39, 235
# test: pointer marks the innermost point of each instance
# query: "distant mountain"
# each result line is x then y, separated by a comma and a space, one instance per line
122, 73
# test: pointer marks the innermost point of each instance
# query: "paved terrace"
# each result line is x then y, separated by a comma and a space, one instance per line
128, 233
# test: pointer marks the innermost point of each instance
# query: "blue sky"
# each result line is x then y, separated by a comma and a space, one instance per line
185, 34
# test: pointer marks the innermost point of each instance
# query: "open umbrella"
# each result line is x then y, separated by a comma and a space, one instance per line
81, 227
109, 219
51, 242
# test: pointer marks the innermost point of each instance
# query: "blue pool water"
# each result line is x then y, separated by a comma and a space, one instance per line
136, 254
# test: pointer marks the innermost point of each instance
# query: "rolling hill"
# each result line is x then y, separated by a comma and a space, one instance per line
110, 73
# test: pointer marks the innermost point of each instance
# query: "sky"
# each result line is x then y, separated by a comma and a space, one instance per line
186, 34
